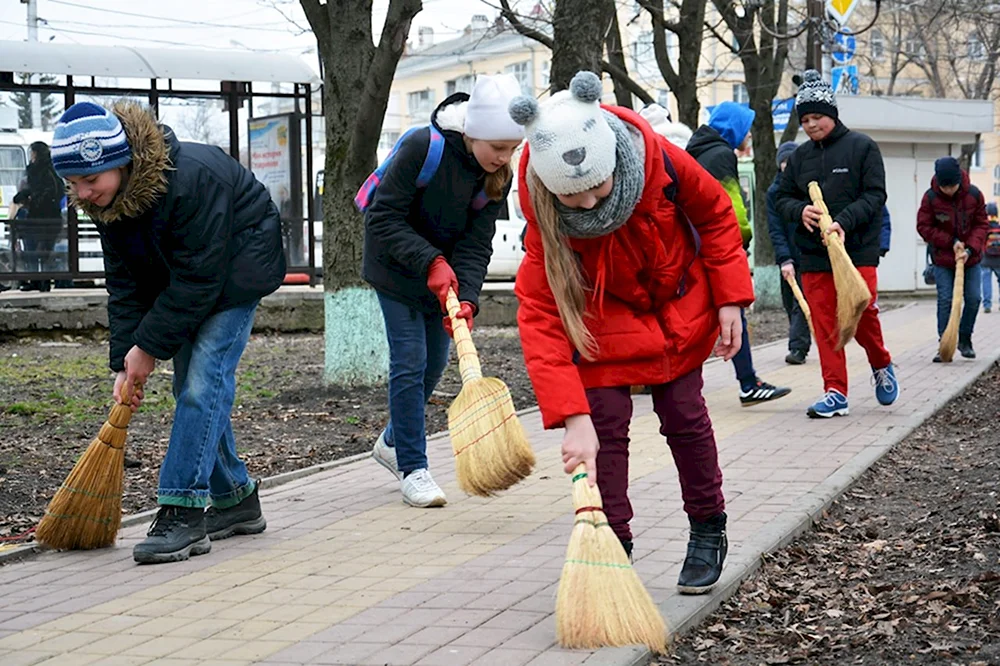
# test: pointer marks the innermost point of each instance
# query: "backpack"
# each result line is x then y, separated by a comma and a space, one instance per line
435, 149
670, 191
992, 247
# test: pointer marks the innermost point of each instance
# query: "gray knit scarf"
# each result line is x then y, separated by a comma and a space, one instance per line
626, 190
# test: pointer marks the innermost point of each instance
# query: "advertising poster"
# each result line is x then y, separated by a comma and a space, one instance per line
274, 155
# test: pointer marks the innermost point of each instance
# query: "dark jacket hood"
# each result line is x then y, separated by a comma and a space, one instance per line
147, 173
706, 138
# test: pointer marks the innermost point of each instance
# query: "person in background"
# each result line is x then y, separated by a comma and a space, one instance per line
786, 254
849, 167
663, 124
40, 198
991, 256
885, 238
714, 146
952, 219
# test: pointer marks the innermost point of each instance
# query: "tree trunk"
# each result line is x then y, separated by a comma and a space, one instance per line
357, 77
689, 29
792, 128
578, 38
616, 56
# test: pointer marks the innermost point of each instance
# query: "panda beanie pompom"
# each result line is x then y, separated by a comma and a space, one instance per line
572, 145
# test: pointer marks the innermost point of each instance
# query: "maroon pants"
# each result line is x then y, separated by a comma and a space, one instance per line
684, 421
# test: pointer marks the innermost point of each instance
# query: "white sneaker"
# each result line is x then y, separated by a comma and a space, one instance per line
419, 490
385, 455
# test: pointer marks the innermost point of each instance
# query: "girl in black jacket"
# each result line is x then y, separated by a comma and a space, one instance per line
42, 195
192, 242
424, 238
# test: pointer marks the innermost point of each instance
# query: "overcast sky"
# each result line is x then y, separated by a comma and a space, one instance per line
227, 24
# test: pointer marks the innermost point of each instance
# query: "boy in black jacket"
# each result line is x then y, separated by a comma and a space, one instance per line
192, 242
848, 167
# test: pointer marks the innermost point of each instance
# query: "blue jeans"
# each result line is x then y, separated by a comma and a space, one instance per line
418, 355
945, 280
201, 460
988, 274
743, 361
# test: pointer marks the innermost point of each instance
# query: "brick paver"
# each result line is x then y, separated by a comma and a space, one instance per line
346, 574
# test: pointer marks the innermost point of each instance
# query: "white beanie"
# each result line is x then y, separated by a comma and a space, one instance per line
572, 145
659, 119
486, 116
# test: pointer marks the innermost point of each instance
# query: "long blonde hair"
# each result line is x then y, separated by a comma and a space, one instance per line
497, 181
562, 270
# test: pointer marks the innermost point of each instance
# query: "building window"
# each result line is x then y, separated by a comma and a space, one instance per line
914, 47
387, 140
642, 50
463, 84
420, 103
522, 72
740, 94
546, 73
877, 45
663, 98
976, 161
977, 50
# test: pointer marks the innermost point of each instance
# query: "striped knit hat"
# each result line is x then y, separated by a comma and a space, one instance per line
88, 139
815, 96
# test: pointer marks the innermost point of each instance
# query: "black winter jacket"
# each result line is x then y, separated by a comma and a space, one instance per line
406, 228
42, 195
782, 233
717, 157
848, 167
193, 234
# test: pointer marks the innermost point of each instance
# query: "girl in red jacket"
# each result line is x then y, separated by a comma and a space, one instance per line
622, 286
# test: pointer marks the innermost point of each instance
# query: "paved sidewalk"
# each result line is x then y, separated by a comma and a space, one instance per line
346, 574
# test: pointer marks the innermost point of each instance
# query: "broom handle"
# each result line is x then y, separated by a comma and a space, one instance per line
803, 305
468, 358
825, 221
121, 412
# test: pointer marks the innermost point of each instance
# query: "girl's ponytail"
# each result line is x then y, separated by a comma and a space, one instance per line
562, 270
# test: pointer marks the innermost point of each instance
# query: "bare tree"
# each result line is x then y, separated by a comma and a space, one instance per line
689, 28
357, 76
542, 31
578, 32
203, 126
763, 57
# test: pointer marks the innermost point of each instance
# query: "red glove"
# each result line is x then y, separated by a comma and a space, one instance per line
465, 311
440, 278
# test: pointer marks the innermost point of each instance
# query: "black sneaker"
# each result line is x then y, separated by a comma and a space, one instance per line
796, 357
937, 359
176, 534
706, 555
966, 350
762, 392
244, 518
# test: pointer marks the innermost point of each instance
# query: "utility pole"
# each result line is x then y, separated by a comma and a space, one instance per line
814, 39
36, 98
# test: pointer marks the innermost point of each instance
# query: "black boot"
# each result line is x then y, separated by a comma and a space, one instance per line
965, 348
176, 534
244, 518
706, 555
627, 545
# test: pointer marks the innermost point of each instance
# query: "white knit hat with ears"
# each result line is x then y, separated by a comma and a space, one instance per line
572, 145
486, 116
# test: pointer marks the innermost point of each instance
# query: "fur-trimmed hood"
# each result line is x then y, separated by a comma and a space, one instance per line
147, 173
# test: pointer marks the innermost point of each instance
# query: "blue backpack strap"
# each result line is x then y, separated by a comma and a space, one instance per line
435, 148
670, 191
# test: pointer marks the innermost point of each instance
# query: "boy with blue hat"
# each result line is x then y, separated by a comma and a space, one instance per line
191, 243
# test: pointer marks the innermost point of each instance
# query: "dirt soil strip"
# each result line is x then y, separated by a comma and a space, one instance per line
903, 569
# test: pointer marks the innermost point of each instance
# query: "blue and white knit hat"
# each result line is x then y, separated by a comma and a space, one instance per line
88, 139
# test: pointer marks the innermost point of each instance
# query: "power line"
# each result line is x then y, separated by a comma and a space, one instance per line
148, 26
147, 16
122, 37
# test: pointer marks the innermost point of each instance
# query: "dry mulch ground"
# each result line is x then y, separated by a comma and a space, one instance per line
903, 569
55, 391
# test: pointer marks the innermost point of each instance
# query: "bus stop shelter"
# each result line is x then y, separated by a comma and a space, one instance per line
268, 100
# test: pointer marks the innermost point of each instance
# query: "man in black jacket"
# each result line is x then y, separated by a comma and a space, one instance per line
714, 146
848, 167
192, 242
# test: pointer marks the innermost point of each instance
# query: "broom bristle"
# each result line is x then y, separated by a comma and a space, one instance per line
491, 450
853, 295
601, 600
86, 511
949, 339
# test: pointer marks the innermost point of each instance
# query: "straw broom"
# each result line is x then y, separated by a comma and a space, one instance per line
492, 452
86, 511
949, 339
853, 295
803, 305
601, 600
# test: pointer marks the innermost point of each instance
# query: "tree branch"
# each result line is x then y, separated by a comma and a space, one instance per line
318, 19
512, 17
